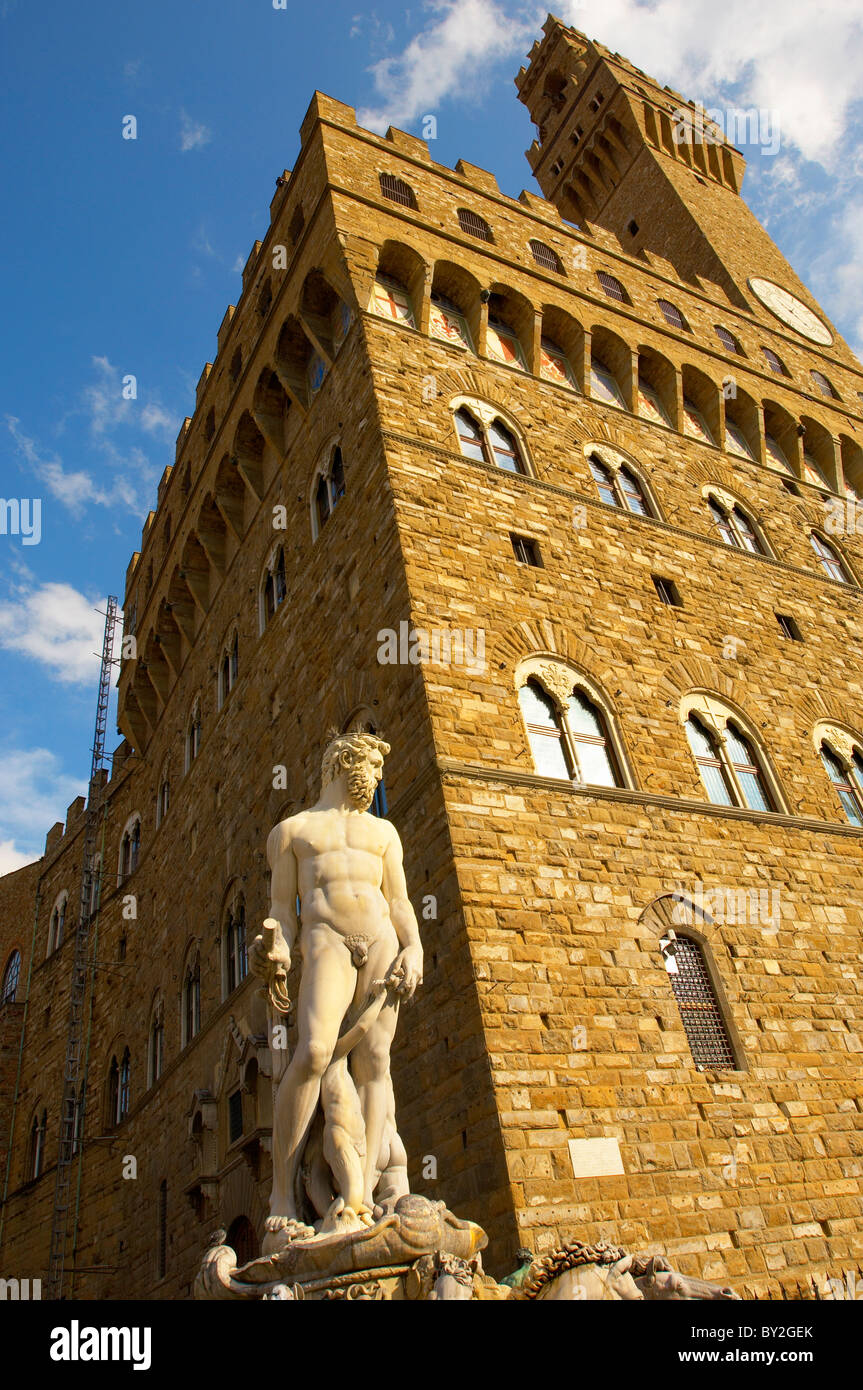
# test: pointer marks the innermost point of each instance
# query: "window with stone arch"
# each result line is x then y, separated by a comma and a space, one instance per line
11, 977
619, 483
229, 667
119, 1089
156, 1041
130, 848
36, 1146
193, 734
242, 1239
486, 435
190, 999
57, 922
163, 793
363, 721
841, 753
327, 490
274, 586
832, 562
735, 525
678, 927
731, 759
570, 726
235, 950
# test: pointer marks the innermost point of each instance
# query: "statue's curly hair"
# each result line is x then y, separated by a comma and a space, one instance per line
343, 750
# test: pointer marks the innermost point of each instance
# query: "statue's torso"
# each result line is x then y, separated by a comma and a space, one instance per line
339, 870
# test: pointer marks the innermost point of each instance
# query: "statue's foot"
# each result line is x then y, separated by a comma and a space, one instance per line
279, 1231
343, 1219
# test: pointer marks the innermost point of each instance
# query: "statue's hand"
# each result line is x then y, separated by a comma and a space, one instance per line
269, 953
406, 971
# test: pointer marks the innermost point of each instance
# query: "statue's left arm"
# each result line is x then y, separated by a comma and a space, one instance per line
407, 969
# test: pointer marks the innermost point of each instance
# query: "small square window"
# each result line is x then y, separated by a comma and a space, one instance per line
791, 487
525, 550
235, 1116
667, 591
789, 627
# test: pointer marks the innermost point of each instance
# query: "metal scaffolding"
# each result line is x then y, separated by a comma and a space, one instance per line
72, 1103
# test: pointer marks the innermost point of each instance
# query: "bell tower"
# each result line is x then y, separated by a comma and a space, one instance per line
617, 151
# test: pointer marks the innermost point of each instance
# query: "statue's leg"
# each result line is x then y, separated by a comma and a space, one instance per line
343, 1134
370, 1065
327, 986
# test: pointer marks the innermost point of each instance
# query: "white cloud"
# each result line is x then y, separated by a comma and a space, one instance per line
12, 858
446, 58
57, 626
34, 793
778, 54
193, 134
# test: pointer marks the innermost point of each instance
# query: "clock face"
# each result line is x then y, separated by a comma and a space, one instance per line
791, 310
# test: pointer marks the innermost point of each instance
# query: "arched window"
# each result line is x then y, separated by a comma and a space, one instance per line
554, 365
390, 300
156, 1044
193, 735
274, 587
57, 924
774, 362
329, 489
38, 1135
242, 1240
545, 257
473, 225
734, 526
229, 668
446, 321
673, 316
728, 340
163, 799
830, 562
11, 976
192, 999
130, 848
502, 344
124, 1089
825, 385
567, 730
113, 1094
612, 286
841, 753
736, 441
604, 385
236, 957
731, 767
700, 1013
619, 487
694, 424
397, 190
490, 442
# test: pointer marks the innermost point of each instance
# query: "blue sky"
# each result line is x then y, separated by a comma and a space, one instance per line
122, 255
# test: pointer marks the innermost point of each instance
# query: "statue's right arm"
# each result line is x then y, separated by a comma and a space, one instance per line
283, 881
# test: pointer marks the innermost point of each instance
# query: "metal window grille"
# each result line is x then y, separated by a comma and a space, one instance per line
397, 190
546, 257
774, 362
526, 551
699, 1008
728, 340
667, 591
672, 315
612, 286
474, 225
823, 384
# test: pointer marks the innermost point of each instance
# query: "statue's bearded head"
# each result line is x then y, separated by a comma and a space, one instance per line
360, 756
